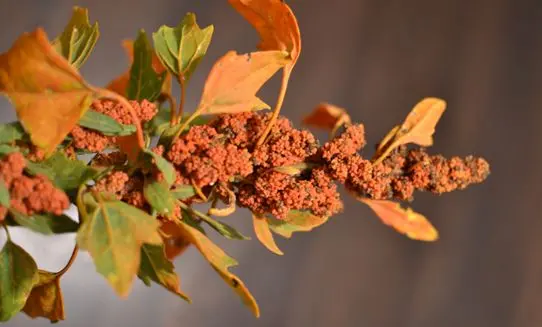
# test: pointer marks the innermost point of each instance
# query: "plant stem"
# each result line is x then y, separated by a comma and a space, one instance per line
70, 261
122, 100
282, 93
181, 81
8, 235
172, 106
193, 116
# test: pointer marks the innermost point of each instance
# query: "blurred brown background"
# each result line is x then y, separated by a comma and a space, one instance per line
377, 58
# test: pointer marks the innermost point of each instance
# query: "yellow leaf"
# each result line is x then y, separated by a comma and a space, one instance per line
418, 127
48, 93
295, 221
328, 117
405, 221
275, 23
220, 261
235, 79
263, 233
45, 299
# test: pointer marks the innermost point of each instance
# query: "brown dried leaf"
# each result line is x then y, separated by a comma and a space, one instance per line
45, 299
418, 127
264, 235
34, 76
405, 221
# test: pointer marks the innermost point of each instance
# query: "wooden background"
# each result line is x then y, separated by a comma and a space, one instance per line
377, 58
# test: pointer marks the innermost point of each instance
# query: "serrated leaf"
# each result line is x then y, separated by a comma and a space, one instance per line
105, 124
181, 48
275, 23
78, 38
113, 233
163, 165
46, 298
47, 224
264, 235
33, 75
295, 221
235, 79
11, 132
158, 195
144, 82
157, 268
18, 274
65, 173
405, 221
418, 127
221, 262
183, 192
4, 194
222, 228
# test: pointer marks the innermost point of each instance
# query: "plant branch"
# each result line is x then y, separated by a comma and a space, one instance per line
8, 235
282, 93
70, 261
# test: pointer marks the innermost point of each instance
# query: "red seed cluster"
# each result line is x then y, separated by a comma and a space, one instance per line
401, 173
93, 141
204, 157
278, 193
29, 195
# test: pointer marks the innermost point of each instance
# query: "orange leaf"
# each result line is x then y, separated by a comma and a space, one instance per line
235, 79
48, 93
418, 127
275, 23
175, 243
328, 117
120, 84
264, 235
405, 221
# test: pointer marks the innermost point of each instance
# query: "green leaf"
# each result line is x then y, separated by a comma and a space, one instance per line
157, 268
4, 194
47, 224
65, 173
6, 149
11, 132
183, 192
181, 48
144, 82
163, 165
158, 195
296, 221
46, 299
78, 38
105, 124
222, 228
18, 274
113, 233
